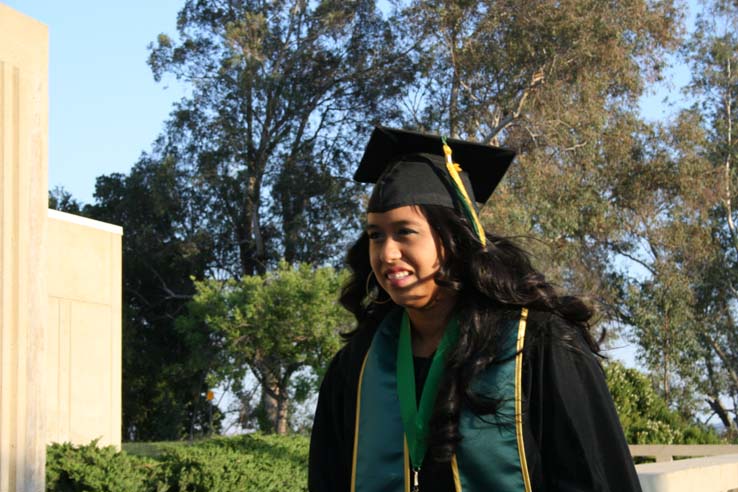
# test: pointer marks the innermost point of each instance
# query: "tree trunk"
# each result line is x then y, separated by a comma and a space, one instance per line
667, 353
282, 414
250, 241
270, 402
722, 414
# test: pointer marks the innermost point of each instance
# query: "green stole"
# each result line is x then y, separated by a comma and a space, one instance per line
491, 455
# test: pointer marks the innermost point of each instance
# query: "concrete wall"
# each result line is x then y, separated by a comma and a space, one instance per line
711, 474
23, 204
60, 368
83, 358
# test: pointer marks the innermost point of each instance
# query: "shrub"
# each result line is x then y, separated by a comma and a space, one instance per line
245, 463
644, 415
91, 468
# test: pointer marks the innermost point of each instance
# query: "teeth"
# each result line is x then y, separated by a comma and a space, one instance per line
398, 275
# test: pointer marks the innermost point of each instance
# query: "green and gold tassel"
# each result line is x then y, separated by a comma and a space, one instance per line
468, 206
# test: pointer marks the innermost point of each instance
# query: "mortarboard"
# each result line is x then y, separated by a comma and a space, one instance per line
411, 168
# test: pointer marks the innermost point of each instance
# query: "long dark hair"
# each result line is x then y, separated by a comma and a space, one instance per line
493, 284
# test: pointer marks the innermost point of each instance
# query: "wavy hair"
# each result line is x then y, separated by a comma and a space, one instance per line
493, 284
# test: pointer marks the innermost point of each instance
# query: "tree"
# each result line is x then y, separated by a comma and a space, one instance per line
558, 82
679, 229
668, 256
253, 164
279, 325
278, 91
712, 53
63, 201
164, 244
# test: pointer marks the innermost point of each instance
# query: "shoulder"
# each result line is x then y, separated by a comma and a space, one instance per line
548, 323
547, 332
560, 361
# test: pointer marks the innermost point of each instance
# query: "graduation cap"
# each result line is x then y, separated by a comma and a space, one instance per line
411, 168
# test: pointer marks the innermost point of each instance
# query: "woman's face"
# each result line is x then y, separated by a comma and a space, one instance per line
405, 254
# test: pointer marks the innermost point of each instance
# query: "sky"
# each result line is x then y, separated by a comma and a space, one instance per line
106, 109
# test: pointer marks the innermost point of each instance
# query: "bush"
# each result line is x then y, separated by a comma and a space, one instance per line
644, 415
91, 468
245, 463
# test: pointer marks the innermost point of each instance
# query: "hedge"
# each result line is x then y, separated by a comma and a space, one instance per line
645, 416
245, 463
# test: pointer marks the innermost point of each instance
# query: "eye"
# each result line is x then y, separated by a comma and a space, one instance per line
374, 235
405, 231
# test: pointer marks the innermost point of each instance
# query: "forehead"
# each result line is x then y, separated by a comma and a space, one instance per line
399, 215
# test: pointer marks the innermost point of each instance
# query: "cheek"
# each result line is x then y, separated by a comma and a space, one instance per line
430, 258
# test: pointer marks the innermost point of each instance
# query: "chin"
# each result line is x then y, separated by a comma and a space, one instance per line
411, 302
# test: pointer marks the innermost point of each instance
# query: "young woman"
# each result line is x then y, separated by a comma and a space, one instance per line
467, 371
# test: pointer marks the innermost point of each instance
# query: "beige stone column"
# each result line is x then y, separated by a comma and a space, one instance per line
23, 204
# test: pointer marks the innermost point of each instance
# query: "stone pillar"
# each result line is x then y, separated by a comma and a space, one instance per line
23, 204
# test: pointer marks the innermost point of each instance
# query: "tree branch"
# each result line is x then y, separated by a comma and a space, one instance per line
727, 363
536, 79
728, 191
635, 259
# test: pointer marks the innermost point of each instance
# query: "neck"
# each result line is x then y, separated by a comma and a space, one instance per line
428, 326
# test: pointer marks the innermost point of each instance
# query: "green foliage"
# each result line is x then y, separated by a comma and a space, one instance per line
92, 469
679, 231
278, 91
645, 416
149, 449
163, 375
290, 314
62, 200
248, 463
558, 82
276, 325
240, 464
254, 165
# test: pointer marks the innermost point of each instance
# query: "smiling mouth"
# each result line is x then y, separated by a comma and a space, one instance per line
397, 275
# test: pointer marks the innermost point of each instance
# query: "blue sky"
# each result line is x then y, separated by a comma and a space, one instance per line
105, 108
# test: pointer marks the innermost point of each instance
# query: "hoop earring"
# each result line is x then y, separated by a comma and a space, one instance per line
369, 296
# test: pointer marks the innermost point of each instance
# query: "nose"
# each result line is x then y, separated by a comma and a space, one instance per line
390, 251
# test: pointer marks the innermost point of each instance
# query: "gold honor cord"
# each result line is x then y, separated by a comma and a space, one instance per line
453, 171
455, 472
519, 398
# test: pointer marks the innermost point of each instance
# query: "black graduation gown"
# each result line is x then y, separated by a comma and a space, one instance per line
573, 439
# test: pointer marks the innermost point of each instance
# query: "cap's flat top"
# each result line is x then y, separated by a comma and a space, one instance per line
485, 164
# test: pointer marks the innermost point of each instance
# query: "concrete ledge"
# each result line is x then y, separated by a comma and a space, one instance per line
666, 452
711, 474
84, 221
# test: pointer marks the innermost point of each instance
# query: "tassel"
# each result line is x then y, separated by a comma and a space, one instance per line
467, 205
